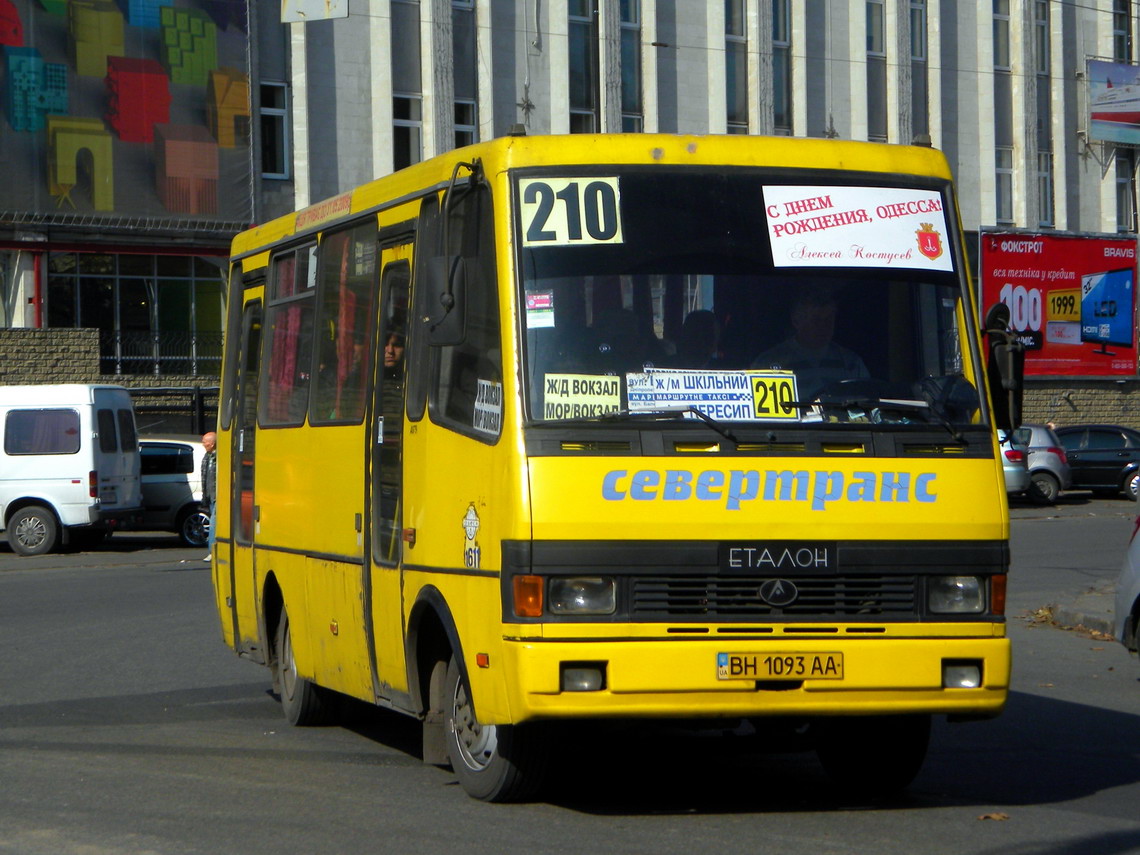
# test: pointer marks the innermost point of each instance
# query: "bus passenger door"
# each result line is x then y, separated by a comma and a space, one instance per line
242, 509
385, 478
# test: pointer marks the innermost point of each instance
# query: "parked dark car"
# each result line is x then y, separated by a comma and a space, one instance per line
1103, 458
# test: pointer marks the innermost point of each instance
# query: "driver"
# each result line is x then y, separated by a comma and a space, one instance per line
810, 352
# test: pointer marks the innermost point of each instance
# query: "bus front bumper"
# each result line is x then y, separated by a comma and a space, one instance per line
650, 678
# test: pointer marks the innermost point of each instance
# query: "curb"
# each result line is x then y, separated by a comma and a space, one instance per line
1091, 610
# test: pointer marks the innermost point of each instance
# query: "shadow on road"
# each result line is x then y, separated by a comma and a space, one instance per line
644, 768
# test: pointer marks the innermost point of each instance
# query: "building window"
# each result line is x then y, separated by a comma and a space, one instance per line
1003, 159
631, 107
736, 66
876, 71
465, 74
156, 314
1126, 192
584, 101
1121, 31
466, 126
407, 130
919, 101
407, 100
274, 123
1045, 214
1001, 34
782, 66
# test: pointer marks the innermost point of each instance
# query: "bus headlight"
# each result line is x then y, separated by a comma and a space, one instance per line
955, 595
581, 595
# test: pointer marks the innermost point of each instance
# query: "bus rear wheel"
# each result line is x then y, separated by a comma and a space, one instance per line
874, 756
33, 531
302, 701
495, 763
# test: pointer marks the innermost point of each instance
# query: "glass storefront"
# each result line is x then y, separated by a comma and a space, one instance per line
157, 314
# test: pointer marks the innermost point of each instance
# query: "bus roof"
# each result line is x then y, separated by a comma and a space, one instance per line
511, 152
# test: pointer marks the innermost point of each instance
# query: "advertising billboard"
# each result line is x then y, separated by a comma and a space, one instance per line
126, 113
1114, 101
1072, 299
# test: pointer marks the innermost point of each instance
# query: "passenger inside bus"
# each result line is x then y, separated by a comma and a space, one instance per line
810, 351
697, 344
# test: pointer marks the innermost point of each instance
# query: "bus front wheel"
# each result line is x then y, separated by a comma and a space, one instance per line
873, 756
302, 701
495, 763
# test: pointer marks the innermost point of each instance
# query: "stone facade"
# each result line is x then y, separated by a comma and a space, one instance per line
60, 355
72, 356
1082, 401
49, 356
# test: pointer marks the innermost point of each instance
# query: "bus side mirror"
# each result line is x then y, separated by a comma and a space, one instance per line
1005, 368
446, 300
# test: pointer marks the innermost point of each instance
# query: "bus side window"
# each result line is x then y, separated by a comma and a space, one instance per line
466, 381
463, 382
289, 338
347, 285
418, 356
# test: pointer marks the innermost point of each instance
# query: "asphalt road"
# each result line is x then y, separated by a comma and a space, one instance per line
127, 727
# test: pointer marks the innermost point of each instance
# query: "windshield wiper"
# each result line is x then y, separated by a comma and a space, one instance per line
670, 412
913, 406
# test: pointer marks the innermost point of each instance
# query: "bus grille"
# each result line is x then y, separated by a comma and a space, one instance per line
738, 598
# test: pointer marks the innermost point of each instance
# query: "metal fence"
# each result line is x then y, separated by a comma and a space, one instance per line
194, 354
176, 410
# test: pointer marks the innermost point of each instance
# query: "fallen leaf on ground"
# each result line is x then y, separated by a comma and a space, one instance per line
996, 815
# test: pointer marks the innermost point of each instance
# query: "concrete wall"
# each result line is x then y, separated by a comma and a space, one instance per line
72, 356
1082, 401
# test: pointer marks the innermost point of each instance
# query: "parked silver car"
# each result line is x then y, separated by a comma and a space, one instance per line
1049, 471
1015, 462
172, 489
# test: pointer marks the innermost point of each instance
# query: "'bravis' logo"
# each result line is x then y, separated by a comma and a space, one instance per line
779, 592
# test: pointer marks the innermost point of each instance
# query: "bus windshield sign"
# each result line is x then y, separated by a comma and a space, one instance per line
856, 227
724, 294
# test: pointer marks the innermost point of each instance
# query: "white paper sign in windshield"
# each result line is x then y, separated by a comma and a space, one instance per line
823, 226
722, 395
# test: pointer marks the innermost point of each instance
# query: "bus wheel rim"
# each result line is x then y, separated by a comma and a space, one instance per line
477, 743
288, 666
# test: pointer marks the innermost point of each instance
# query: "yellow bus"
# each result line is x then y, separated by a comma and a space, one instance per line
565, 428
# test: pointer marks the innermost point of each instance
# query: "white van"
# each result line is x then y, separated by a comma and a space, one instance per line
69, 464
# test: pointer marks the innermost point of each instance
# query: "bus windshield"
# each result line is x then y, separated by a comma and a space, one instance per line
741, 296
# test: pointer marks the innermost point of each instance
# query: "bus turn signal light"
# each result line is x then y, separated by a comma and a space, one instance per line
528, 596
997, 594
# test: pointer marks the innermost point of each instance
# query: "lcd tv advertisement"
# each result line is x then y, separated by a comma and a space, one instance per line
1072, 299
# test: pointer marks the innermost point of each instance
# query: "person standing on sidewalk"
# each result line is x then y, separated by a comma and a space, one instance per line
209, 475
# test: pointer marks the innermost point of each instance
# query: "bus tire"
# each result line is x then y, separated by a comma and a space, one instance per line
873, 756
495, 763
32, 530
303, 702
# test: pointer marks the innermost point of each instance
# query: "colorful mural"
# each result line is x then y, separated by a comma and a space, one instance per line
127, 109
